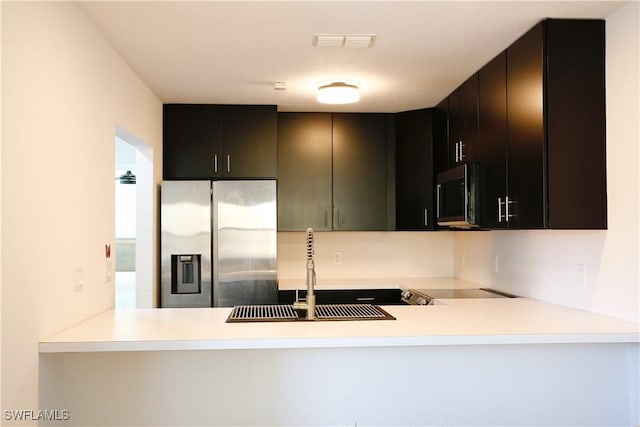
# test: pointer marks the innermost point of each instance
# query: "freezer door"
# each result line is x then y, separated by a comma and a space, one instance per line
245, 243
185, 244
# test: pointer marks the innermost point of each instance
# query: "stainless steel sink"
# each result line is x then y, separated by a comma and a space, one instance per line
283, 313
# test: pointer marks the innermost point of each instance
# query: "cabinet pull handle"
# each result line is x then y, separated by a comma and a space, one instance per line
228, 163
426, 217
326, 218
456, 153
460, 145
215, 163
339, 218
438, 201
506, 209
507, 203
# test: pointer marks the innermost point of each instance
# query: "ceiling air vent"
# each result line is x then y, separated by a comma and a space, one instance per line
353, 41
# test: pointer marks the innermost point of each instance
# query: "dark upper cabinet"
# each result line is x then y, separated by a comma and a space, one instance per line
463, 122
333, 171
556, 163
414, 170
524, 202
360, 171
216, 142
250, 138
492, 141
576, 131
440, 122
305, 156
192, 141
540, 129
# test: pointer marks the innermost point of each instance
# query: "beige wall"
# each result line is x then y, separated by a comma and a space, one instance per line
547, 264
64, 91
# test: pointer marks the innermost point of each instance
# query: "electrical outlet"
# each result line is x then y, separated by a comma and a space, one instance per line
581, 274
78, 279
337, 257
108, 275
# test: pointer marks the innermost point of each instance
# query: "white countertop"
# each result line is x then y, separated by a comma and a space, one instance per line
454, 322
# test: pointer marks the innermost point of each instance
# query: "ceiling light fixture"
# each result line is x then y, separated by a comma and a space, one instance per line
127, 178
338, 93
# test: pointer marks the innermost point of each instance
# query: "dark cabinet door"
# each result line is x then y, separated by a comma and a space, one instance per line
441, 136
414, 170
576, 124
288, 296
250, 141
527, 180
203, 141
192, 141
368, 296
304, 171
463, 122
492, 141
360, 171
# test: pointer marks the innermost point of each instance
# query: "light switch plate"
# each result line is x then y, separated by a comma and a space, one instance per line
78, 279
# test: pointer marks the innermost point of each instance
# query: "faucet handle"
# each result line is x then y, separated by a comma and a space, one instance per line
298, 297
299, 304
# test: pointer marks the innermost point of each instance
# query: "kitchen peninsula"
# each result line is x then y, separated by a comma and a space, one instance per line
509, 360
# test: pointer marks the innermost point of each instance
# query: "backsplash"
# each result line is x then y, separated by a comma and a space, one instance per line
368, 254
580, 269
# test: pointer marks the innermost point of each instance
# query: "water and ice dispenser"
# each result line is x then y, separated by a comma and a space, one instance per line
185, 274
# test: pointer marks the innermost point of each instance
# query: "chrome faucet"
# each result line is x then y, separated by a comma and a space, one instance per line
310, 304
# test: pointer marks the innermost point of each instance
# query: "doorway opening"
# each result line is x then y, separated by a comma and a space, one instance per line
134, 221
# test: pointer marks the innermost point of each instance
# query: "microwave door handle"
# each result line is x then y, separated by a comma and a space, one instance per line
466, 194
466, 203
438, 201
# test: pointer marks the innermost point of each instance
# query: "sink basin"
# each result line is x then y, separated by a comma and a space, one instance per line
283, 313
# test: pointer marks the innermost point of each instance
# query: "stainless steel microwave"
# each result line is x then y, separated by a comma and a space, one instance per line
457, 196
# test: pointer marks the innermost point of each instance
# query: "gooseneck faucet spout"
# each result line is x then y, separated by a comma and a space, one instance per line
310, 304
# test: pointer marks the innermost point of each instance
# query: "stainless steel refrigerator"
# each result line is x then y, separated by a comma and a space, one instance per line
218, 243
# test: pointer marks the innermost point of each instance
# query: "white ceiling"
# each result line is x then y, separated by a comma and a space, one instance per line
231, 52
